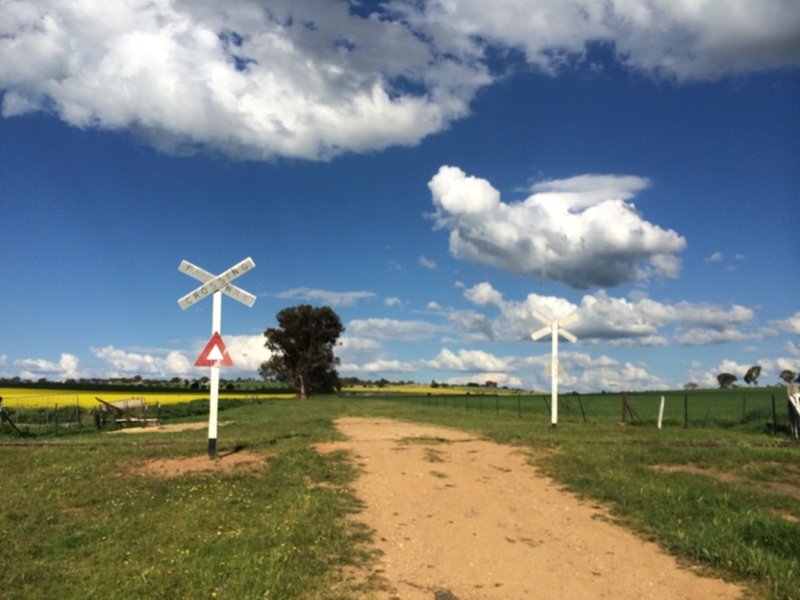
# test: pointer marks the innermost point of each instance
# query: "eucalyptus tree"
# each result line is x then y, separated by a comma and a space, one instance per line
302, 349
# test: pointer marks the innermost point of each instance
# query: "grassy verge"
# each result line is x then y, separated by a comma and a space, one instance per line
78, 522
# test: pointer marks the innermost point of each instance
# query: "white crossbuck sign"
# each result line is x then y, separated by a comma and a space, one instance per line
214, 283
554, 327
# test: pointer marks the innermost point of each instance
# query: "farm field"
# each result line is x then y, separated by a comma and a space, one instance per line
41, 397
84, 518
17, 397
756, 408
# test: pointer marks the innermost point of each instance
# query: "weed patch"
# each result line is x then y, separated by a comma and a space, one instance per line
433, 456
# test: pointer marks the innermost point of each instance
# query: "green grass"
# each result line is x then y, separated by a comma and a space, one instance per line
77, 522
746, 408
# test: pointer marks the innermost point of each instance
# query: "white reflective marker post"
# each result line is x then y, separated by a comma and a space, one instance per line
215, 285
554, 328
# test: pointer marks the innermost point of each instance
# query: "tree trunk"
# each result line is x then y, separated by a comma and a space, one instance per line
301, 393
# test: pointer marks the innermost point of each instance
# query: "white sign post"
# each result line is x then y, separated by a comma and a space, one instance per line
554, 328
216, 354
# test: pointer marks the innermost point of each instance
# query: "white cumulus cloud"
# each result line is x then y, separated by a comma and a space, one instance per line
483, 294
36, 368
702, 39
582, 231
304, 79
121, 363
789, 325
314, 79
247, 352
642, 321
468, 360
384, 366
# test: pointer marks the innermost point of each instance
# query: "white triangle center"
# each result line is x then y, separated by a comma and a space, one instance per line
215, 353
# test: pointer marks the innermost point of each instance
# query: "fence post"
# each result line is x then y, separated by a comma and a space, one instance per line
580, 403
686, 410
661, 412
624, 407
774, 415
519, 408
744, 408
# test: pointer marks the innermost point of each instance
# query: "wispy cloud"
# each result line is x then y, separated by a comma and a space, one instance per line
427, 263
392, 301
391, 330
719, 258
325, 296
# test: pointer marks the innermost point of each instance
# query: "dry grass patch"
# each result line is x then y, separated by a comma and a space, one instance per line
171, 428
243, 461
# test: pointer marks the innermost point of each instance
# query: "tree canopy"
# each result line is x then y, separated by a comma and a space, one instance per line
787, 375
302, 349
752, 375
725, 379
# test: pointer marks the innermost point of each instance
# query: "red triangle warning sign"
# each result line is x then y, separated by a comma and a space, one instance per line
215, 354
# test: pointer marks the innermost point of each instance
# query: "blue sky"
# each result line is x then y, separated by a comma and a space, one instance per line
434, 172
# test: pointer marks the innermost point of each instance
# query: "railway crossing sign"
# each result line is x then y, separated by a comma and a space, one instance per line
554, 327
212, 284
215, 354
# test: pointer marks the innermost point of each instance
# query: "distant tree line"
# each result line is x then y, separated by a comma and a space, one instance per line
137, 383
726, 380
378, 383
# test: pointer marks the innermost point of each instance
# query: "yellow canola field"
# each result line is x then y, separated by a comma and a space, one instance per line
50, 398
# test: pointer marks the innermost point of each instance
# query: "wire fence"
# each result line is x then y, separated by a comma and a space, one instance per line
757, 409
67, 415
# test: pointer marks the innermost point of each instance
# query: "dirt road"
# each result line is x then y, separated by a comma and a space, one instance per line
459, 518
